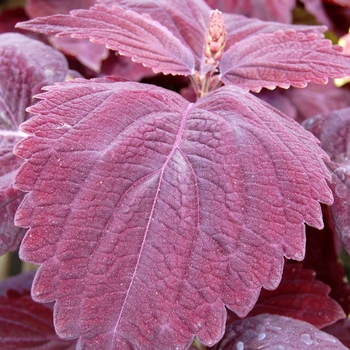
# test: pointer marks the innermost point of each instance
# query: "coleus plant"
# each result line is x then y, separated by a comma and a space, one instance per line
150, 214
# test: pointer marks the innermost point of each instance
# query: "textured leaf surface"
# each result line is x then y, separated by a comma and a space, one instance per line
25, 324
149, 213
266, 10
276, 332
25, 66
127, 32
160, 36
301, 297
332, 129
282, 59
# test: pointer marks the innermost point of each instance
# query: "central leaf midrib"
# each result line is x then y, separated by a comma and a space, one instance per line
162, 170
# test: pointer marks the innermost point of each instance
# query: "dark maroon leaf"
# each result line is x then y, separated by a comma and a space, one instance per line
322, 257
275, 332
25, 324
267, 10
19, 283
25, 66
300, 296
168, 211
9, 18
332, 129
279, 99
122, 66
340, 330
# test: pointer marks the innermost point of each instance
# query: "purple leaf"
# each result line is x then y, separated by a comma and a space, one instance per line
127, 32
253, 63
276, 332
25, 324
25, 66
89, 54
322, 256
176, 44
266, 10
301, 297
149, 214
332, 129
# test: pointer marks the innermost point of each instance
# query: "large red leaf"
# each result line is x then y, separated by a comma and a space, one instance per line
25, 66
149, 214
170, 37
276, 332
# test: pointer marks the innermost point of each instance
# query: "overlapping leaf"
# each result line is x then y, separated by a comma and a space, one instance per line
169, 37
276, 332
89, 54
301, 297
149, 214
25, 66
333, 131
25, 324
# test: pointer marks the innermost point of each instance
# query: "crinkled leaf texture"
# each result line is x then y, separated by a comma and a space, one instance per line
26, 65
275, 332
169, 36
301, 297
332, 129
149, 214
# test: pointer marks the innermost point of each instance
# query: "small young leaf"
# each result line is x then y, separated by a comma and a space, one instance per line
149, 214
276, 332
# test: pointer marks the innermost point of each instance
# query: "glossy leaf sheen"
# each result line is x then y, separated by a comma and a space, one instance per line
149, 213
276, 332
25, 66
